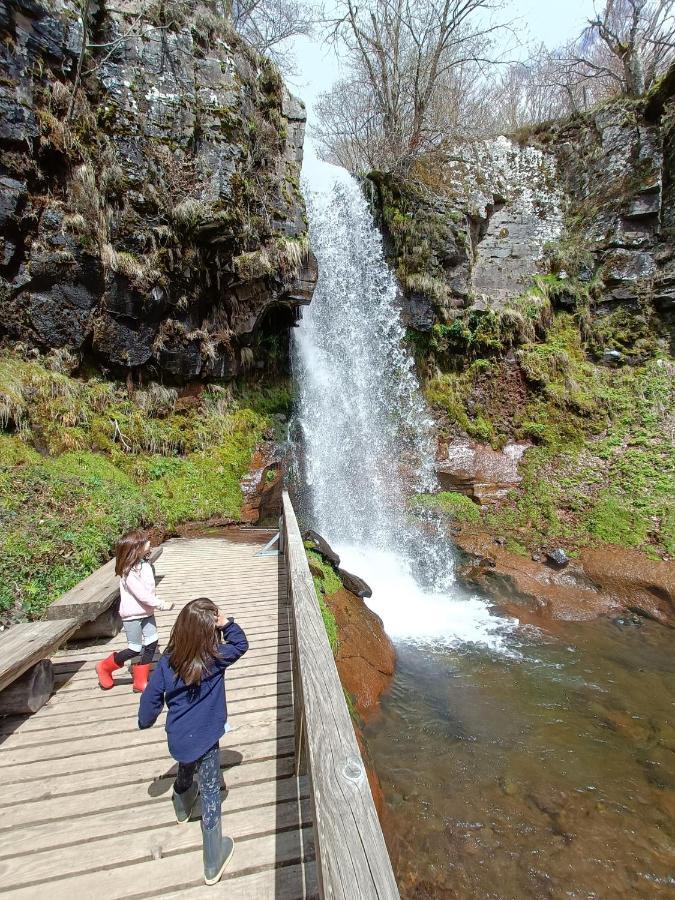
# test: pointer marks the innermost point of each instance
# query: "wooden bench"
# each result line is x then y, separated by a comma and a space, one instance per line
89, 610
92, 602
23, 649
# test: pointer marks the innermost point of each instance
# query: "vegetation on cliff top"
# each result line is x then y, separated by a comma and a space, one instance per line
84, 460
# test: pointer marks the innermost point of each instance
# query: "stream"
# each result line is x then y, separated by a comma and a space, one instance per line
514, 763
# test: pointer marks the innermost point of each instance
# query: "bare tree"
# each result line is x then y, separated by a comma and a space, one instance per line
405, 57
625, 47
269, 25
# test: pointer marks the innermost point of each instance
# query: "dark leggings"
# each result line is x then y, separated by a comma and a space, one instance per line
208, 769
146, 654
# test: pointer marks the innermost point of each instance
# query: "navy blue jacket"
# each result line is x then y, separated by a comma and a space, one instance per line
197, 713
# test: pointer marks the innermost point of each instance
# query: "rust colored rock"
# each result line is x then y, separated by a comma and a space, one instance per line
479, 471
604, 581
262, 486
533, 591
639, 584
365, 657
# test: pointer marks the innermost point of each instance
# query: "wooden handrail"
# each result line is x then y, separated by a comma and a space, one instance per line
352, 858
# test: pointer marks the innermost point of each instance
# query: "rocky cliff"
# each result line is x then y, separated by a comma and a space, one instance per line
584, 205
150, 216
537, 275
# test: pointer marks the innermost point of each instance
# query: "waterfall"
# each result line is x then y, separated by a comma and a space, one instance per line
365, 434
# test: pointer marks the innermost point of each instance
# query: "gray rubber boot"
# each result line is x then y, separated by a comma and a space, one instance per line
218, 852
184, 803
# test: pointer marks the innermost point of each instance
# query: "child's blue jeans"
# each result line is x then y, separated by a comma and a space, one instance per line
207, 768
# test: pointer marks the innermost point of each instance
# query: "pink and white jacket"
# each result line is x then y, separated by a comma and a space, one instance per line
138, 596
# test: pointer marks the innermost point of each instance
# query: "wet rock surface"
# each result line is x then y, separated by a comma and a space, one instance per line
262, 486
477, 470
152, 218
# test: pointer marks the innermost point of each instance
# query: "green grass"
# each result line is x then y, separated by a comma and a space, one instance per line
83, 461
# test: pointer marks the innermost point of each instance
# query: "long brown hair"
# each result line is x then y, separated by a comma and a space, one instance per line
130, 551
193, 644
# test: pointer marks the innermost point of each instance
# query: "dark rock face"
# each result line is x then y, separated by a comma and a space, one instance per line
354, 584
153, 219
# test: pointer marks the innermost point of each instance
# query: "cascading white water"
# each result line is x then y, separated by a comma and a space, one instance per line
367, 443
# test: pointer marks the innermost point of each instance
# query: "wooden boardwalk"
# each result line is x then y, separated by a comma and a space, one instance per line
85, 797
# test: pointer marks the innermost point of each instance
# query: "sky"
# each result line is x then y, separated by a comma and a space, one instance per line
552, 22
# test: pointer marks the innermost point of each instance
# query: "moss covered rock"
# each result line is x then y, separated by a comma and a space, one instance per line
153, 218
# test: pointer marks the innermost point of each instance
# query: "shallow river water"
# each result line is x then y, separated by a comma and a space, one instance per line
546, 773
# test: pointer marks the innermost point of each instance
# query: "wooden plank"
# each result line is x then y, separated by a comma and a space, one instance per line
182, 869
80, 725
82, 680
297, 882
266, 742
131, 795
95, 743
117, 850
352, 859
61, 700
104, 823
125, 710
23, 645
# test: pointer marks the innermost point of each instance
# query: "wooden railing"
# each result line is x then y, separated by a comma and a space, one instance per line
352, 858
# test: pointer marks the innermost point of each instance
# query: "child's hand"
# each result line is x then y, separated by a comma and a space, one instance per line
221, 620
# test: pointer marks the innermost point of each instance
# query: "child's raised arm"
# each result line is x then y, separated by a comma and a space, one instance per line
152, 699
236, 646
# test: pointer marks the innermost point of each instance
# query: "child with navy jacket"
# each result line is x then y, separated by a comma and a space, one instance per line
189, 679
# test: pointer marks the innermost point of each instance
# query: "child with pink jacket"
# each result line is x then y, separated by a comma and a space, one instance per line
138, 602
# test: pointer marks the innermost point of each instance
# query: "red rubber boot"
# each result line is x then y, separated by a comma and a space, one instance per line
104, 670
140, 673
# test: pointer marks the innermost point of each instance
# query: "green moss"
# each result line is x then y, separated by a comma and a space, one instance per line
449, 503
110, 461
325, 584
616, 485
614, 520
328, 621
329, 582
